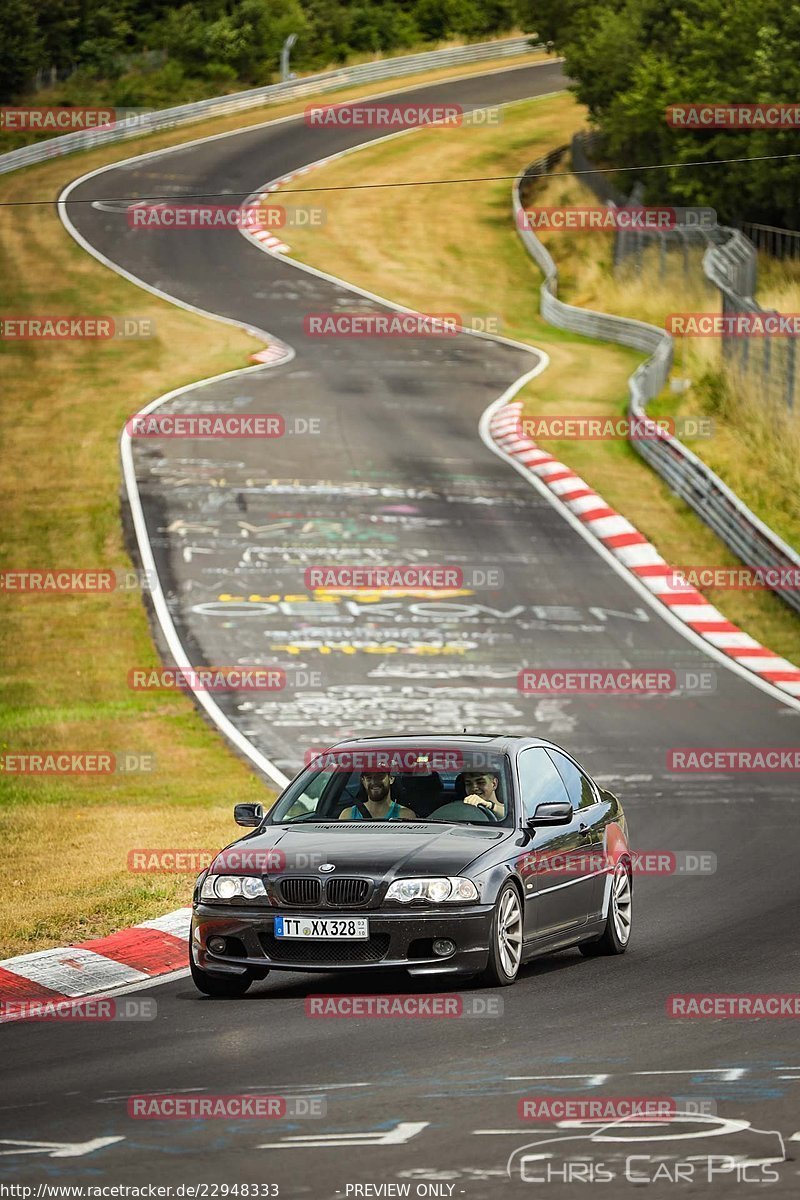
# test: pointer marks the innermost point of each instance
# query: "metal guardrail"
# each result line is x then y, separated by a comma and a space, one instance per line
714, 502
729, 262
732, 265
599, 181
769, 239
328, 81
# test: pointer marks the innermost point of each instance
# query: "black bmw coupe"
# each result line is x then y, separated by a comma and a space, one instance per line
443, 855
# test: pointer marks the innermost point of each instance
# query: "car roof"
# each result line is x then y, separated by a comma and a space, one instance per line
502, 742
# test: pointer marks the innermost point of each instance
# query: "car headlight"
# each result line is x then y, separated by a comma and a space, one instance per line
455, 889
228, 887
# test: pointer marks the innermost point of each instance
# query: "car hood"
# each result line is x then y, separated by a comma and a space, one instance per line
372, 849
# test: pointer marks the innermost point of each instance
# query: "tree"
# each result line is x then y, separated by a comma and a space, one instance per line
20, 48
59, 24
631, 59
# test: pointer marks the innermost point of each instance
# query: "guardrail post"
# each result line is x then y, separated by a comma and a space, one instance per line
744, 354
791, 367
766, 362
285, 51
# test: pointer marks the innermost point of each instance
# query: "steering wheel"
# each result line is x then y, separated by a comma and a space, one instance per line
490, 813
460, 813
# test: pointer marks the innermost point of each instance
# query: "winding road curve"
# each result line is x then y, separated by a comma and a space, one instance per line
397, 474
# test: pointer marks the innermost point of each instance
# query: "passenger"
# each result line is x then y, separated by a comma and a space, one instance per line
379, 804
481, 789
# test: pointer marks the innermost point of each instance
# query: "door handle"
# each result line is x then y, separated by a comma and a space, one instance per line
585, 831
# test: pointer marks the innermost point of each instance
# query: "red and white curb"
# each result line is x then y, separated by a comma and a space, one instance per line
267, 239
264, 234
640, 557
274, 354
129, 957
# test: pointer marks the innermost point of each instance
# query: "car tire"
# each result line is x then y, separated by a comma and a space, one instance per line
505, 939
616, 936
219, 985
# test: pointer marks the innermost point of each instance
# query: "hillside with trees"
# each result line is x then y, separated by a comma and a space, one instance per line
152, 53
632, 58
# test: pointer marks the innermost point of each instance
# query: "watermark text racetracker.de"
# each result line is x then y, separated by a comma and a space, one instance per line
213, 218
734, 758
596, 1108
409, 1006
733, 324
615, 681
228, 1107
123, 1008
563, 427
70, 581
745, 579
364, 324
394, 759
220, 425
238, 860
77, 762
401, 577
736, 1006
63, 327
235, 678
599, 218
405, 115
775, 114
65, 118
642, 862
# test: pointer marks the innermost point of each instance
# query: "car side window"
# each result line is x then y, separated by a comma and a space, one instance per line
540, 782
578, 785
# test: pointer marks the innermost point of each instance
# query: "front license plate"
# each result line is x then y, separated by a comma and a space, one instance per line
329, 929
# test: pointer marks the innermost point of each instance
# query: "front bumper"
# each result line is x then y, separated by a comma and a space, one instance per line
399, 939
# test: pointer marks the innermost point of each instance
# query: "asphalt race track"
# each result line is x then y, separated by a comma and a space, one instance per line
398, 474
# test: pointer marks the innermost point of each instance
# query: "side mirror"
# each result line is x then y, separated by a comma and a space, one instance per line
248, 814
557, 812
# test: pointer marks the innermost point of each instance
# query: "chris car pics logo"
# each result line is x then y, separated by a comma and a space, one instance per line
681, 1147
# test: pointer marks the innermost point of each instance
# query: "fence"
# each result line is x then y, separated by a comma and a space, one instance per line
684, 472
729, 262
768, 239
328, 81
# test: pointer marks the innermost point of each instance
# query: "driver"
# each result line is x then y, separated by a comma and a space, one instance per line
481, 789
379, 803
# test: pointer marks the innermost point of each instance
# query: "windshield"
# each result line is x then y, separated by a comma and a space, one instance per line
464, 786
